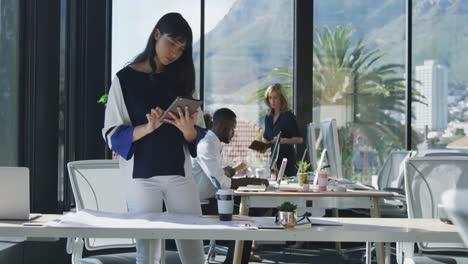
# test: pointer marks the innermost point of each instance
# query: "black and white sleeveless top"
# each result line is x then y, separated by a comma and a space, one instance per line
163, 152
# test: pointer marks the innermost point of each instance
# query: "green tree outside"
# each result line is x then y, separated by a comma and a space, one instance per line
355, 75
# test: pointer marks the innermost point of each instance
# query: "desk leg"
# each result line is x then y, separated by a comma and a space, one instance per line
338, 248
379, 246
163, 251
243, 210
368, 253
407, 252
387, 253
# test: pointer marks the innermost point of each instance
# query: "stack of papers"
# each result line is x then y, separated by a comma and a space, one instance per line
315, 221
351, 185
99, 219
357, 186
252, 188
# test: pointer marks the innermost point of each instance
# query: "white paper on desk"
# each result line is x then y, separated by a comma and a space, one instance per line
252, 188
99, 219
267, 223
322, 221
357, 186
91, 218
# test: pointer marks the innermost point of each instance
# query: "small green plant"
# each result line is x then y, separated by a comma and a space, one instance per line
103, 99
259, 136
302, 166
287, 207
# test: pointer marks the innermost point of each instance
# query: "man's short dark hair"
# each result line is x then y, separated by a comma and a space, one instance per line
222, 115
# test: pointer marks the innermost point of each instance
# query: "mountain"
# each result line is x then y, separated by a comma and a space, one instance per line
439, 33
253, 38
256, 36
364, 15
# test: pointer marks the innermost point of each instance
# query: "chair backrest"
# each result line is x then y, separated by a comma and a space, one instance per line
454, 202
100, 185
390, 174
440, 153
425, 180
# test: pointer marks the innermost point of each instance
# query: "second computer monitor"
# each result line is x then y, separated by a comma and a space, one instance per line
324, 147
275, 153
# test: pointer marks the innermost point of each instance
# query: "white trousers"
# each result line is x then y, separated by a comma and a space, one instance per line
180, 195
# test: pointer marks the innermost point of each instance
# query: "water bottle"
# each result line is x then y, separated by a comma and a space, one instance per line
323, 179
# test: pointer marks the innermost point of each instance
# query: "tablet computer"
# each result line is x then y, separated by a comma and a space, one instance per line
181, 102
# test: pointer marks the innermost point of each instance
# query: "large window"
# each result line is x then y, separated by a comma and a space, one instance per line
133, 21
249, 44
9, 86
358, 79
440, 58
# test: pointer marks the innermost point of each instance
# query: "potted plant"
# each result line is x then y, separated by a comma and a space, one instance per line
287, 215
103, 99
302, 167
306, 184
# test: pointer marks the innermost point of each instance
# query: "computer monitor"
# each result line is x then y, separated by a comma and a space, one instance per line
323, 147
311, 141
332, 145
274, 154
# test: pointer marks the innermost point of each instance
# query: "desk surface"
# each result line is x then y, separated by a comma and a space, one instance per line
353, 229
350, 193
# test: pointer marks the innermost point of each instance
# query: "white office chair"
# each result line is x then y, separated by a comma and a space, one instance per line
425, 180
212, 249
391, 179
456, 207
390, 175
99, 185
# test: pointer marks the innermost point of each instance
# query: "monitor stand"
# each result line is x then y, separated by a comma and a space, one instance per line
274, 169
320, 165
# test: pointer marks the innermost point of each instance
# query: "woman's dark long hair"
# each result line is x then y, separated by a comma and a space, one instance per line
182, 71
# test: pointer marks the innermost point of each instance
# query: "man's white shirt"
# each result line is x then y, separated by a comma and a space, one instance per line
209, 163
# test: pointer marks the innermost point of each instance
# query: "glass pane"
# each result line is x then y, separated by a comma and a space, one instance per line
440, 117
133, 21
62, 104
248, 46
358, 79
9, 82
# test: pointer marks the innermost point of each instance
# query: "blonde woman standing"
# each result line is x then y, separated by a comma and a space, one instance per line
280, 118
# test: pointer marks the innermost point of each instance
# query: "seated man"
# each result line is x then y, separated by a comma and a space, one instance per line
207, 168
208, 162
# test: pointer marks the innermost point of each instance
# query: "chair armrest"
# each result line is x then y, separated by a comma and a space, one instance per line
75, 247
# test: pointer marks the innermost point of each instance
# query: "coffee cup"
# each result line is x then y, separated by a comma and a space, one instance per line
260, 173
225, 199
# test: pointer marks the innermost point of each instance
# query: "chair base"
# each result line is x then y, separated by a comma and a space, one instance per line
214, 249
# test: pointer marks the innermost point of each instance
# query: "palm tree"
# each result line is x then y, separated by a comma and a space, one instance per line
344, 74
347, 74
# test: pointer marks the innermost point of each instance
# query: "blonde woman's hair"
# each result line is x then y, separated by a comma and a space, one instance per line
277, 89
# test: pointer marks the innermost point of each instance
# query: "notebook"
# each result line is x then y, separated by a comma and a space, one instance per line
14, 193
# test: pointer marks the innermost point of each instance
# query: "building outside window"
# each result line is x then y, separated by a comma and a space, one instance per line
439, 61
358, 79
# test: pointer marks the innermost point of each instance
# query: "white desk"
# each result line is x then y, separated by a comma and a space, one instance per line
352, 230
315, 203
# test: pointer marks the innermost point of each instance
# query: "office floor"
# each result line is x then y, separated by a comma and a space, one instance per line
310, 253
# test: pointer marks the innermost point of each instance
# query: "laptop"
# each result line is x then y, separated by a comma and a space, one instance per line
14, 193
273, 185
